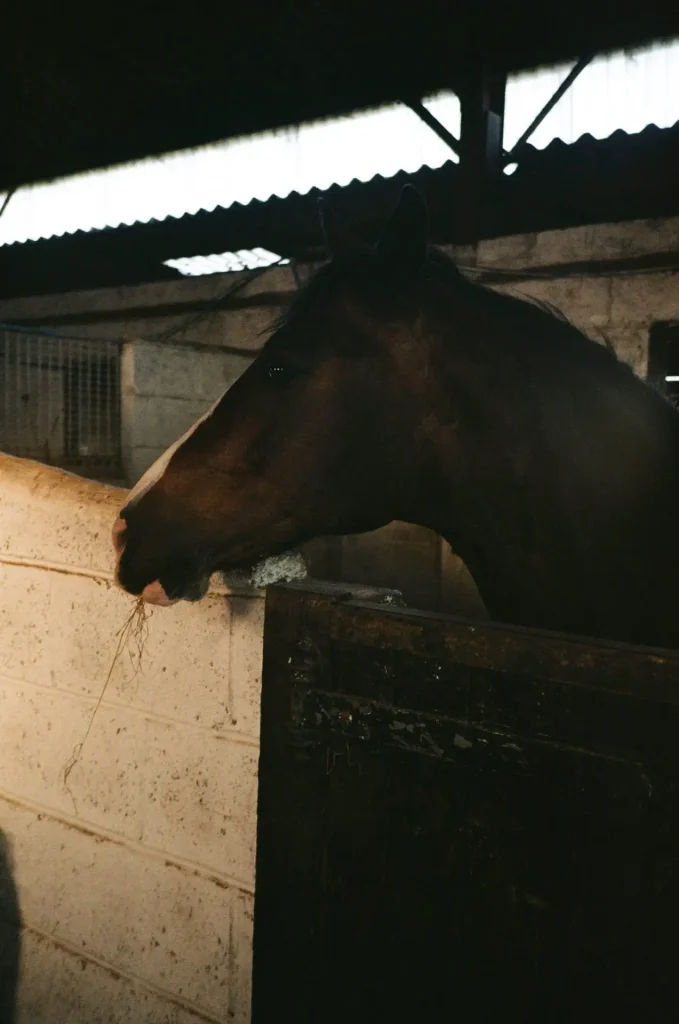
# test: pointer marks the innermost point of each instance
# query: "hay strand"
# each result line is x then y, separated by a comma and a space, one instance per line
132, 635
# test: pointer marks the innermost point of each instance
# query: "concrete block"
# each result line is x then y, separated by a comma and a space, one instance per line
60, 630
237, 328
157, 422
571, 245
162, 780
39, 731
631, 345
165, 924
201, 799
107, 785
644, 299
98, 300
63, 630
185, 672
240, 983
462, 255
70, 518
138, 459
245, 663
158, 293
174, 788
60, 986
626, 239
177, 371
507, 251
244, 328
278, 280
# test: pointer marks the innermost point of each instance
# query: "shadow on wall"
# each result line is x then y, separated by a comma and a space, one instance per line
410, 559
10, 935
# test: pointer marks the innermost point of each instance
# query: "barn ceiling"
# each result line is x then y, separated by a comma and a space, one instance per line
88, 86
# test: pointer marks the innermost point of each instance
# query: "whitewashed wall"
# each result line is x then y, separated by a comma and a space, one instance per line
135, 879
165, 389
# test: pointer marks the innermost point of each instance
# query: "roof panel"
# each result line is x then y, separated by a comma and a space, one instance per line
90, 91
622, 90
591, 181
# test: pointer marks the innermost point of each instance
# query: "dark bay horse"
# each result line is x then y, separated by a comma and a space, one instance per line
394, 388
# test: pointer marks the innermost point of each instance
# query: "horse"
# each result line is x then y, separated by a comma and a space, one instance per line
396, 388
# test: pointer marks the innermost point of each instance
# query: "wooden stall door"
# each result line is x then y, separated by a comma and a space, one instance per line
462, 822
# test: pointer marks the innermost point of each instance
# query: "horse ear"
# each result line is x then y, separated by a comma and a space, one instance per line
339, 241
403, 245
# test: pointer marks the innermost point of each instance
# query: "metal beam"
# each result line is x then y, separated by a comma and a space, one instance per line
5, 202
576, 70
432, 122
482, 107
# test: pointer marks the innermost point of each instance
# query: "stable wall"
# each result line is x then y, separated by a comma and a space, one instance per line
165, 389
125, 892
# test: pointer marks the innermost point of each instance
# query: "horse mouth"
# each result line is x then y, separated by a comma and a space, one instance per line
186, 576
284, 568
180, 580
162, 594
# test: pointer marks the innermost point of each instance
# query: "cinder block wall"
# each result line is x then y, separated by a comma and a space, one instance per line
600, 276
125, 891
165, 389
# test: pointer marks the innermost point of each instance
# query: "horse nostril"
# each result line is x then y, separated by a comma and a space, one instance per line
118, 535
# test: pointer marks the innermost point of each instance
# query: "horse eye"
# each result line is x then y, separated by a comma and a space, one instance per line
280, 372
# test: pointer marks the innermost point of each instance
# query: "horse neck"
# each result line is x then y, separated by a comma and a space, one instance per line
545, 510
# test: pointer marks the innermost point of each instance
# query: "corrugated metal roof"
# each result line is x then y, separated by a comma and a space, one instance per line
91, 92
624, 90
337, 152
618, 91
591, 181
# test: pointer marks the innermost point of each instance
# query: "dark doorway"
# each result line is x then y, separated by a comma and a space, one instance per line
663, 359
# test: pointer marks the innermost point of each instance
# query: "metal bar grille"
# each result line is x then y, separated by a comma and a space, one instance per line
60, 401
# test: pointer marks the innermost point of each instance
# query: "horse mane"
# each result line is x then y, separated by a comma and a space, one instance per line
520, 312
524, 316
544, 337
